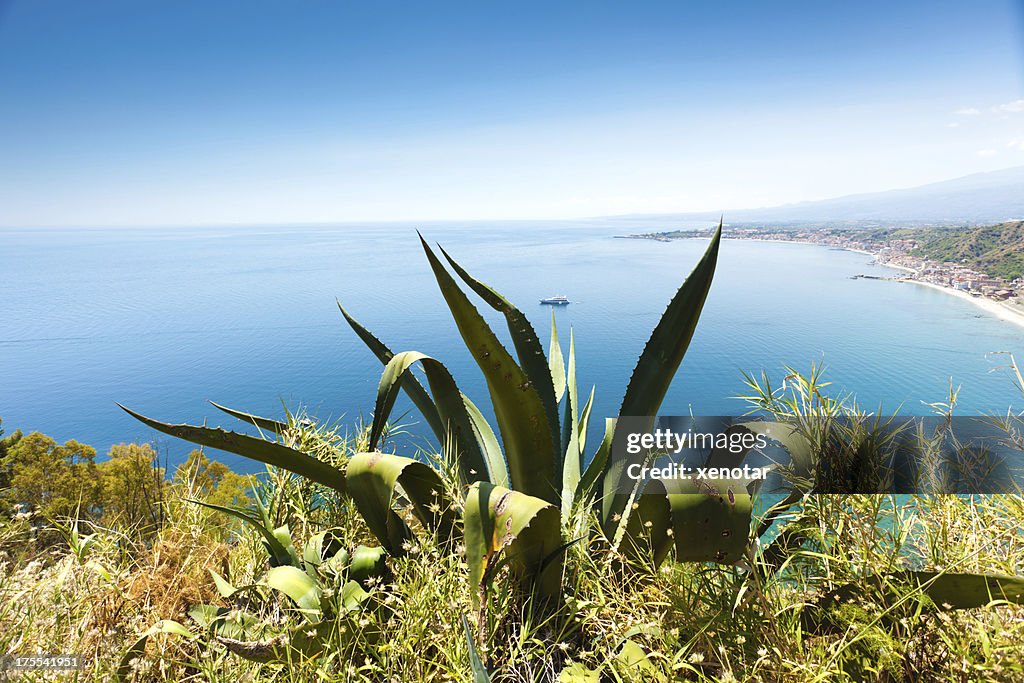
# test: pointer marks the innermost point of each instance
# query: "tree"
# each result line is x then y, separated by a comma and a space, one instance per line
57, 480
133, 487
213, 480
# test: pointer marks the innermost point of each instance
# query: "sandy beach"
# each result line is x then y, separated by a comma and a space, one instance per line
1009, 312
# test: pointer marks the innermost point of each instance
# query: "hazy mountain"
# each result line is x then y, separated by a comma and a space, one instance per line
974, 199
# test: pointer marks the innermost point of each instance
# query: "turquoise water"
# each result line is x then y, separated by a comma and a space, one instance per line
164, 319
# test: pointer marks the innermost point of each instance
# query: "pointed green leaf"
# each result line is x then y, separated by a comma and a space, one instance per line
556, 362
297, 585
450, 404
496, 466
480, 674
266, 424
525, 530
372, 478
268, 452
524, 339
420, 398
278, 546
659, 361
530, 439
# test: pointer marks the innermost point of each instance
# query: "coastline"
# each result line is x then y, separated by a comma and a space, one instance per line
996, 308
1002, 311
1009, 313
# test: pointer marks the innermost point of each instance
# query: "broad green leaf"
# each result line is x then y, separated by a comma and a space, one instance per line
450, 406
645, 536
524, 339
320, 547
372, 478
577, 673
268, 452
297, 585
368, 563
710, 519
659, 361
632, 658
223, 621
420, 398
530, 439
264, 423
524, 529
496, 465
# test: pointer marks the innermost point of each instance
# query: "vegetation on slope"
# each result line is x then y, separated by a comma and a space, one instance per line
996, 250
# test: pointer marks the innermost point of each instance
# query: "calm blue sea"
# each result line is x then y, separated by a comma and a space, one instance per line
164, 319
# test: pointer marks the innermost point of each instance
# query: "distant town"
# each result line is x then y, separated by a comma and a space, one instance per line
962, 260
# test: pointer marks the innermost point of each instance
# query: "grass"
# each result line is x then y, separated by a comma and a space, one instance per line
693, 621
97, 591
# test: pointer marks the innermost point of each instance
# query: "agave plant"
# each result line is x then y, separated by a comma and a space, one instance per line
520, 489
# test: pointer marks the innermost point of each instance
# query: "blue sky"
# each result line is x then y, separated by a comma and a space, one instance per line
138, 113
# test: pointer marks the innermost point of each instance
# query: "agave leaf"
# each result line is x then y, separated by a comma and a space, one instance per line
278, 546
264, 423
556, 362
946, 590
570, 421
372, 478
530, 438
225, 589
319, 547
632, 658
572, 461
222, 620
420, 398
659, 361
496, 466
646, 538
577, 673
450, 406
368, 563
297, 585
710, 519
524, 339
268, 452
597, 467
353, 596
304, 641
480, 674
524, 529
585, 421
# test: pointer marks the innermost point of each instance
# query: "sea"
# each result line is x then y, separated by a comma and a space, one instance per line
165, 319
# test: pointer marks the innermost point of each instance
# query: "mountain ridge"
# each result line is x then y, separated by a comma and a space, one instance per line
975, 199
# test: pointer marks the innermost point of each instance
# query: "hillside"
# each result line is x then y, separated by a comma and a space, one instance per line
995, 249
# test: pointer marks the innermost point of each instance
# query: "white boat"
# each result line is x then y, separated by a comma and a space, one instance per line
558, 300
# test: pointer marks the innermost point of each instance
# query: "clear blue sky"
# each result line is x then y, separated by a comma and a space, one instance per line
181, 112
